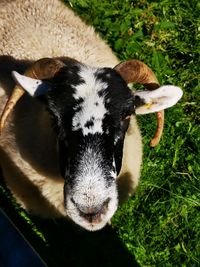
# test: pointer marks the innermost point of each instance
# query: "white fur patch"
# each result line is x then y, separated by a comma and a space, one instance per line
89, 92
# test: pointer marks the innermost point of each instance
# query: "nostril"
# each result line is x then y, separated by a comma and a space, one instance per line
91, 211
94, 217
84, 209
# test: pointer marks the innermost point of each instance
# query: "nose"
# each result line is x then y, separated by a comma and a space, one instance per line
92, 213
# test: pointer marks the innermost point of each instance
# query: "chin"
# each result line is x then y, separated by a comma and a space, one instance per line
92, 226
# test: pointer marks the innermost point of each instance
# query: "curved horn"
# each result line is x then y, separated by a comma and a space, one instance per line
44, 68
136, 71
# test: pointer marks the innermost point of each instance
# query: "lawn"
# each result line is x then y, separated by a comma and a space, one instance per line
160, 224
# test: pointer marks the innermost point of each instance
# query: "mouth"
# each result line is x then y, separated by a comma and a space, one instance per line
90, 222
92, 218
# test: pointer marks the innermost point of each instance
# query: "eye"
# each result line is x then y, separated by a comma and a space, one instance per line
125, 122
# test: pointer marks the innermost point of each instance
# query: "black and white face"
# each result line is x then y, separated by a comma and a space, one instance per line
90, 107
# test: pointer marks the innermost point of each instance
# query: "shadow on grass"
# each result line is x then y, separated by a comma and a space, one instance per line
74, 247
68, 245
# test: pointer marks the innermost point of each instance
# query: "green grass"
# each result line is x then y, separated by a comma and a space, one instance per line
160, 224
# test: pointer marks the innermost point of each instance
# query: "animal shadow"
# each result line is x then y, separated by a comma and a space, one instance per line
71, 246
65, 244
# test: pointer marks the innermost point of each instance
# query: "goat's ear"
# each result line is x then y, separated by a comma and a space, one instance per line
32, 86
156, 100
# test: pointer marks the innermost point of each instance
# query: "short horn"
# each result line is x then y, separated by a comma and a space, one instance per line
138, 72
44, 68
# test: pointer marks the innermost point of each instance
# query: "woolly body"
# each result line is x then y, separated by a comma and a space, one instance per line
30, 30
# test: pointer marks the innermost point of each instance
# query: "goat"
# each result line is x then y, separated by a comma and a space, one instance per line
72, 146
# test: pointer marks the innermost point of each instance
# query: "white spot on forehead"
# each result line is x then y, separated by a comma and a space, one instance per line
88, 91
90, 85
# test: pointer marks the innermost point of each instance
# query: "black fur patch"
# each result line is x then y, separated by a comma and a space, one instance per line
79, 101
139, 101
77, 108
89, 123
101, 93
